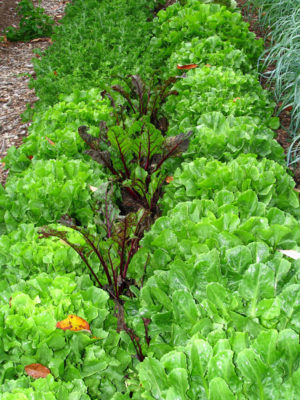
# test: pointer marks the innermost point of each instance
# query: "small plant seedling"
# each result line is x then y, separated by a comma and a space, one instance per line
34, 23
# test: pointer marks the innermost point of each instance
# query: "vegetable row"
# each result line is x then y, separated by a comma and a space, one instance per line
221, 301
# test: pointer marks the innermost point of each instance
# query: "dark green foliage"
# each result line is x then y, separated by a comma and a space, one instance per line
95, 41
34, 23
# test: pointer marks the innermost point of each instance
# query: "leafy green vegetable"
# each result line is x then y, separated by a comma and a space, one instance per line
53, 132
224, 138
23, 251
44, 389
34, 23
34, 308
224, 183
208, 308
49, 189
177, 25
94, 42
210, 89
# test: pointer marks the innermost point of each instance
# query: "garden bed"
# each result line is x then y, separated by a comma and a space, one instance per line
148, 219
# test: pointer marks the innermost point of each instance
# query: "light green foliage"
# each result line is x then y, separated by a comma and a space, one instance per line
218, 89
203, 225
49, 189
212, 50
219, 301
233, 183
34, 309
53, 132
43, 389
177, 25
22, 250
221, 368
228, 317
224, 138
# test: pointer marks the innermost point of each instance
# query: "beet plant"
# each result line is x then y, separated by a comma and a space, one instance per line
135, 158
134, 152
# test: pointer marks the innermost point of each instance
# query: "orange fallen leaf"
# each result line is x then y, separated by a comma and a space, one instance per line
73, 323
37, 371
235, 100
55, 73
169, 179
50, 141
187, 66
30, 157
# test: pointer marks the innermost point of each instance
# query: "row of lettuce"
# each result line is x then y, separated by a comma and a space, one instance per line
222, 300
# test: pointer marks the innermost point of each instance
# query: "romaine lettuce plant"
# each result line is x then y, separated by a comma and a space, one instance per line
215, 180
48, 388
22, 251
199, 304
224, 138
53, 133
32, 309
177, 24
221, 368
211, 89
212, 51
215, 224
48, 190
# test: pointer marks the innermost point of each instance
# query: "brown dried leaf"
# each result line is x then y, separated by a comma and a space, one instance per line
42, 40
50, 141
187, 66
37, 371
